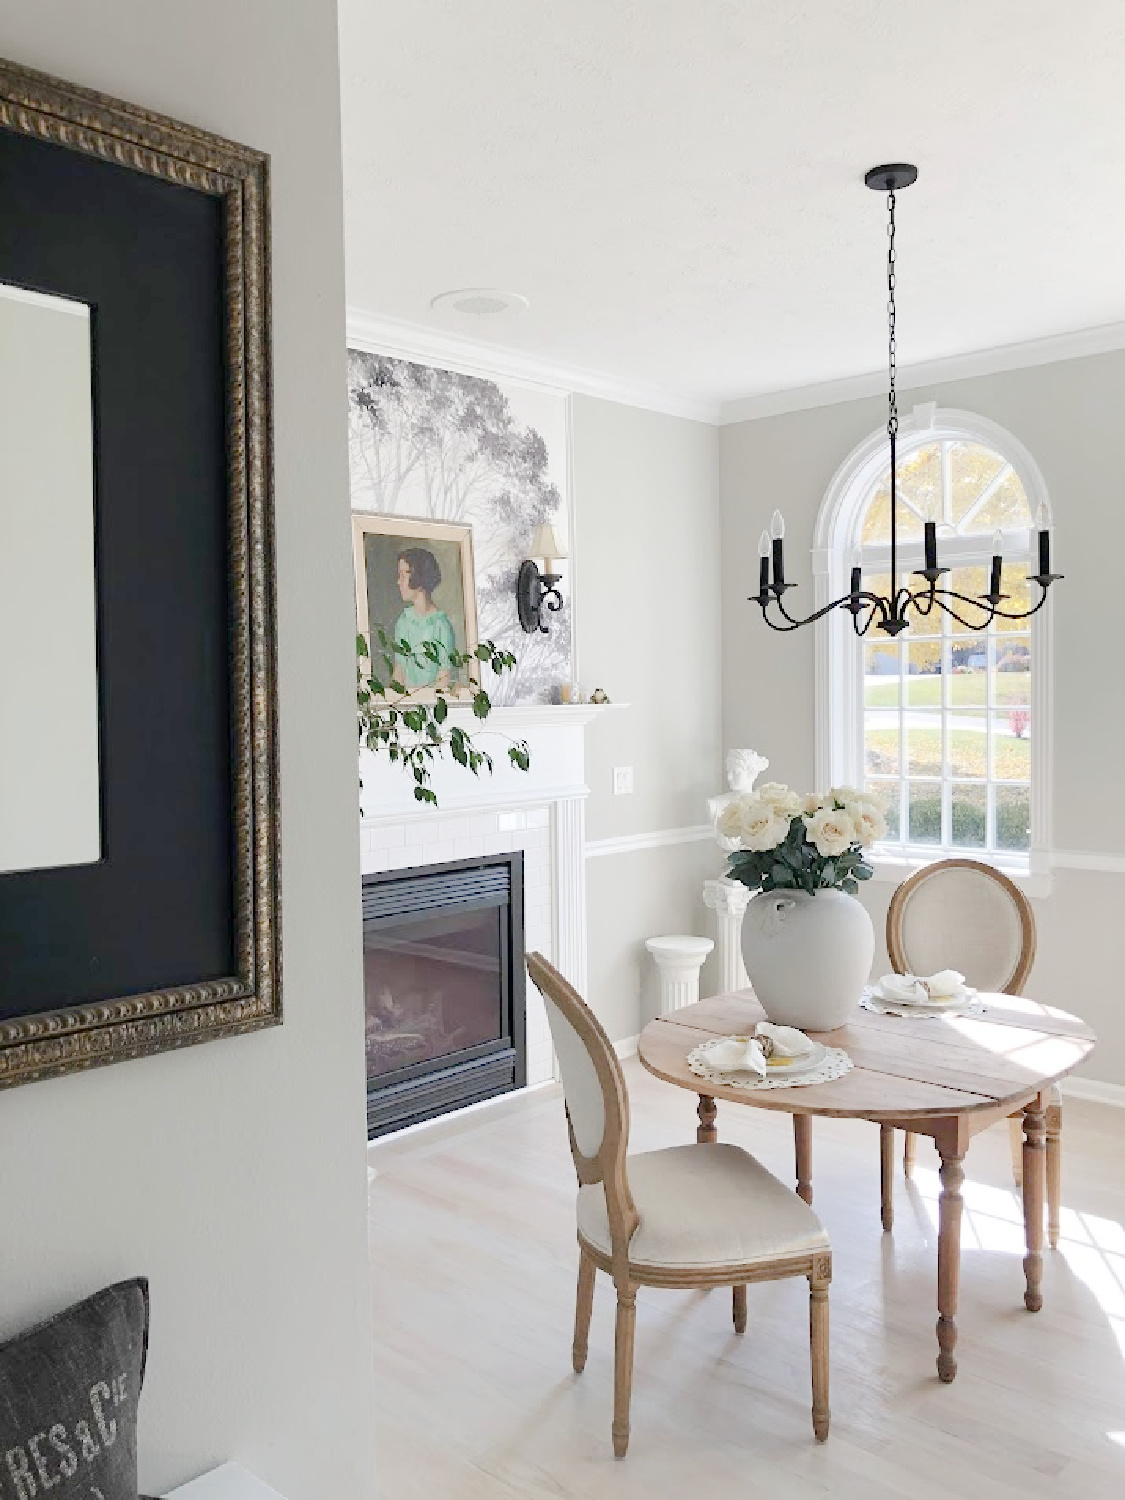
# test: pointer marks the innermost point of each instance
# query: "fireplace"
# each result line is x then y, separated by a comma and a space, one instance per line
444, 988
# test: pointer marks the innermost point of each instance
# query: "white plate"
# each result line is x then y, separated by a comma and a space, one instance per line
784, 1067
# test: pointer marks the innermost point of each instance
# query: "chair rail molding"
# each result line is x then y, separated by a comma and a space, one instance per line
660, 838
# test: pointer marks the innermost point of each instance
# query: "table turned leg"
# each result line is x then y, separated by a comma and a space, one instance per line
707, 1112
887, 1175
802, 1150
1034, 1193
949, 1255
1054, 1170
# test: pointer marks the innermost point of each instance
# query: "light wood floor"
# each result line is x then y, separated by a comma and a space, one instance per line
474, 1261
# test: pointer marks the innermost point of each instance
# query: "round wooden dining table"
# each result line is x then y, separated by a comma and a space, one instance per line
942, 1076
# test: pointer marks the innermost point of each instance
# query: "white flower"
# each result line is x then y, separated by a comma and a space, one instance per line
870, 824
787, 803
729, 821
761, 826
853, 796
831, 831
812, 803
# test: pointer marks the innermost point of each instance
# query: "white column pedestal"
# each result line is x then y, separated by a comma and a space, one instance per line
679, 959
728, 899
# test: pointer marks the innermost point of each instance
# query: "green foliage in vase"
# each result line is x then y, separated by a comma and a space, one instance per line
412, 724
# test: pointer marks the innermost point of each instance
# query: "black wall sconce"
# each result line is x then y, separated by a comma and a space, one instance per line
538, 591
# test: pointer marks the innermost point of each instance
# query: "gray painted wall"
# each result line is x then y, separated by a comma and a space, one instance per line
645, 508
1068, 416
233, 1174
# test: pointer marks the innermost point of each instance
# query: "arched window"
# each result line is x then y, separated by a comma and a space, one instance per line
948, 721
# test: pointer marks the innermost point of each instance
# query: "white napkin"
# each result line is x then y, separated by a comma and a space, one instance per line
744, 1053
944, 985
787, 1040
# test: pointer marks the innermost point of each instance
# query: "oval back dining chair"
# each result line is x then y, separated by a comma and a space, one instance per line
685, 1216
962, 914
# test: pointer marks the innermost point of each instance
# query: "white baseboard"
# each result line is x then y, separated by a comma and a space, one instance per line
627, 1046
1094, 1091
456, 1119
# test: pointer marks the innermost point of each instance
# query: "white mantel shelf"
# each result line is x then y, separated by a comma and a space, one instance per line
512, 718
555, 735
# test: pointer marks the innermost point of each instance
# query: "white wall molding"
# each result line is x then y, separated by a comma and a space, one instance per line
1105, 339
568, 838
452, 351
627, 1047
1081, 859
662, 838
1094, 1091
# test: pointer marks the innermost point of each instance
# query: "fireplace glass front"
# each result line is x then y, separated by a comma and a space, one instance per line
443, 987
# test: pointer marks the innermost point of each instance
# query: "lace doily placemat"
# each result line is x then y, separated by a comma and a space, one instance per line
834, 1064
869, 1000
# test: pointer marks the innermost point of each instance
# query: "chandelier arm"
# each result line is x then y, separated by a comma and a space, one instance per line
992, 610
877, 605
861, 630
973, 625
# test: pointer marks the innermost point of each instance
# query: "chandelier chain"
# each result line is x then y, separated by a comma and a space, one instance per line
892, 399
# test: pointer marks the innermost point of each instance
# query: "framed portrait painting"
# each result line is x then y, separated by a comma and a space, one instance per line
414, 580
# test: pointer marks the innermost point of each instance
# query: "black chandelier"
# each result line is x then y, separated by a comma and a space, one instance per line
891, 613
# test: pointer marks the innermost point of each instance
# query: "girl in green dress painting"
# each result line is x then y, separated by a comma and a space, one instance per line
421, 620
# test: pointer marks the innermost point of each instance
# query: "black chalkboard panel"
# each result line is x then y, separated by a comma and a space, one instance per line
146, 255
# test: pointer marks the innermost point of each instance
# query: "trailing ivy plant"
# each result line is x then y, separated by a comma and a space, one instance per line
412, 723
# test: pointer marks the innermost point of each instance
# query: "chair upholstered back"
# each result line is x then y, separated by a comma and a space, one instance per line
597, 1102
961, 914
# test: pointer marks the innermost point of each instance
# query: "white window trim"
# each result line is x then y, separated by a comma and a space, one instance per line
838, 706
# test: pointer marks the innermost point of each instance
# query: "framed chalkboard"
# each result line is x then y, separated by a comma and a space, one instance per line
166, 930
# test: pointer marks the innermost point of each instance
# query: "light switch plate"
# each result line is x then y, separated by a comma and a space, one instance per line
622, 780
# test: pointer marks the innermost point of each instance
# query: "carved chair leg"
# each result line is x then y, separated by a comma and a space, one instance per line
909, 1149
1054, 1172
587, 1270
802, 1151
1034, 1184
887, 1175
707, 1112
818, 1344
623, 1367
1015, 1140
740, 1309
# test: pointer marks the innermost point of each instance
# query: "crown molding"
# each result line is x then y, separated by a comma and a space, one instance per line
1105, 339
452, 351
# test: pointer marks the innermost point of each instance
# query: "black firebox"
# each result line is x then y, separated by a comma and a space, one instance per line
444, 988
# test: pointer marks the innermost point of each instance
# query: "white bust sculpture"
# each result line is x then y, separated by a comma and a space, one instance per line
743, 769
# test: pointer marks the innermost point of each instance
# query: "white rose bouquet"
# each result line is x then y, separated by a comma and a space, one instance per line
806, 843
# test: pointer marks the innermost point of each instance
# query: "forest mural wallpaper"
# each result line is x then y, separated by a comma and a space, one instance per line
443, 446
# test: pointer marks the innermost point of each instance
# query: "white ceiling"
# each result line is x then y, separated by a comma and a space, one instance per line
676, 185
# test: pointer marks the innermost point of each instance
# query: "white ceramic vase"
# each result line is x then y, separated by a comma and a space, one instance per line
808, 957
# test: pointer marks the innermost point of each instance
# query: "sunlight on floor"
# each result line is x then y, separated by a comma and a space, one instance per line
1092, 1247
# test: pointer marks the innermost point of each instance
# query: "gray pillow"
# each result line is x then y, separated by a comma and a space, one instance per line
68, 1400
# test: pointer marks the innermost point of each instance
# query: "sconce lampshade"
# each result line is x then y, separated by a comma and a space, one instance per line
547, 543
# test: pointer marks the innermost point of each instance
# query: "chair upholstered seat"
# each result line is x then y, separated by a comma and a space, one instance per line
704, 1206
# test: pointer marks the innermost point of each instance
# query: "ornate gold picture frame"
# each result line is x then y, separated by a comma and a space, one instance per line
197, 941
